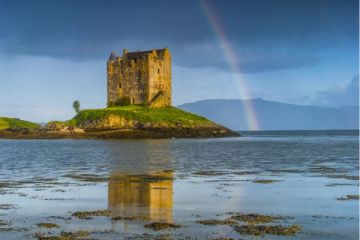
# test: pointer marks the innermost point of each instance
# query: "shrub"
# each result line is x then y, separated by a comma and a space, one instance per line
111, 104
123, 101
76, 106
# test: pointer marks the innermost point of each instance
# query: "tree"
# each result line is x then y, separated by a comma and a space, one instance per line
76, 106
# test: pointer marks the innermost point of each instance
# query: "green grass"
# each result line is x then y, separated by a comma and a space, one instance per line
6, 123
166, 115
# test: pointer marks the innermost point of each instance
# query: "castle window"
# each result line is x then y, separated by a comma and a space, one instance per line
119, 85
158, 70
120, 71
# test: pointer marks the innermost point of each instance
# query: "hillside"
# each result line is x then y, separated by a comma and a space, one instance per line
275, 115
15, 123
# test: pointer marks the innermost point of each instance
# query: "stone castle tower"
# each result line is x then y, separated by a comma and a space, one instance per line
142, 77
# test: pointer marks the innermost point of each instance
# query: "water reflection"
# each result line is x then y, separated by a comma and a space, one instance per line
140, 197
134, 157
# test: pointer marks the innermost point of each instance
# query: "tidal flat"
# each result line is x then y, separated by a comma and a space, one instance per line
265, 185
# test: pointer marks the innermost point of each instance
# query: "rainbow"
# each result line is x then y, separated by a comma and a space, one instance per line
233, 62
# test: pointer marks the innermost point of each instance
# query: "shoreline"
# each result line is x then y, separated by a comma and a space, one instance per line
154, 133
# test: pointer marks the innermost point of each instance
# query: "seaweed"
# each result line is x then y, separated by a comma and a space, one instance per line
324, 169
222, 238
90, 214
4, 223
344, 176
265, 181
7, 206
349, 197
216, 222
87, 177
286, 171
252, 218
130, 218
47, 225
258, 230
209, 173
337, 184
156, 226
63, 236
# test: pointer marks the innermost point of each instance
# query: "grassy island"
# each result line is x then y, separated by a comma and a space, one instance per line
15, 123
137, 116
131, 121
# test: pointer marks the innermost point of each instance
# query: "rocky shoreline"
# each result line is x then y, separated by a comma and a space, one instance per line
153, 133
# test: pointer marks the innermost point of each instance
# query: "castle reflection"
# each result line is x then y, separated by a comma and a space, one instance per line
148, 196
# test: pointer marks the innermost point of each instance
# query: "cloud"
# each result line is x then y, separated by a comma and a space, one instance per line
341, 96
277, 62
210, 55
82, 30
52, 52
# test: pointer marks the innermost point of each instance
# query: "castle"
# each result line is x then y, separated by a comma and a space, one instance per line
142, 77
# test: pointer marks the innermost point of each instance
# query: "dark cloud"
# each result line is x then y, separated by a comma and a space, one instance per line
247, 61
342, 96
265, 29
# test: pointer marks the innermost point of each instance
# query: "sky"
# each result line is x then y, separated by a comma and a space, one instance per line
295, 51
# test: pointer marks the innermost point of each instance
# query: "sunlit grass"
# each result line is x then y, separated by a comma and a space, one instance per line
166, 115
6, 123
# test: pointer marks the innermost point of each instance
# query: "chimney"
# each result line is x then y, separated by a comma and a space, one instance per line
112, 56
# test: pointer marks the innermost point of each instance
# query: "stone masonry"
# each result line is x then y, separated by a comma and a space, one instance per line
142, 77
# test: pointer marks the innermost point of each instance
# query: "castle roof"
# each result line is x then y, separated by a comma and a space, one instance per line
112, 56
139, 54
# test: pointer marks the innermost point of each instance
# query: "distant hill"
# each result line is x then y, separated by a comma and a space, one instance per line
275, 115
6, 123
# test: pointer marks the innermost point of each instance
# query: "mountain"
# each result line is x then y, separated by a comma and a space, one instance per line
275, 115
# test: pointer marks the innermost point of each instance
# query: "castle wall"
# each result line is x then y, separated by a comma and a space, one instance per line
140, 76
167, 78
112, 80
160, 76
134, 76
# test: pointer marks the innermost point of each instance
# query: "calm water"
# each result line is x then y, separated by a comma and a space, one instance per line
196, 179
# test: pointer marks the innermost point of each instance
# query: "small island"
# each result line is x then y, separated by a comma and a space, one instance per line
123, 122
138, 106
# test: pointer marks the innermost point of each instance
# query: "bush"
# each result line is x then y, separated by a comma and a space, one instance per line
76, 106
122, 101
112, 104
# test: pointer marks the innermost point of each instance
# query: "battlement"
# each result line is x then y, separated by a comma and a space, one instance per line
138, 77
